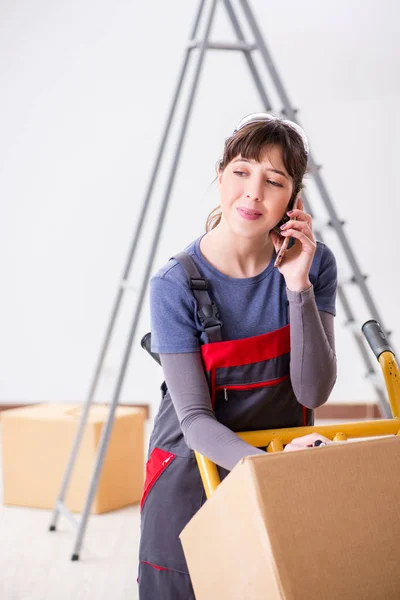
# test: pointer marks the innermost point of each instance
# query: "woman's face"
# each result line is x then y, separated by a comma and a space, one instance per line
254, 195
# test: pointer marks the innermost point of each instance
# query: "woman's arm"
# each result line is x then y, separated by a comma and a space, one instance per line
187, 384
312, 354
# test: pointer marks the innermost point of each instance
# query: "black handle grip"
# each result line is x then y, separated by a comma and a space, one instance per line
376, 337
145, 342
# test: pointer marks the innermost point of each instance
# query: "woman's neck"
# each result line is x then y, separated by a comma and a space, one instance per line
236, 256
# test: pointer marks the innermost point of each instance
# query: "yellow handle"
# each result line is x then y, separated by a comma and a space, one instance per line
391, 374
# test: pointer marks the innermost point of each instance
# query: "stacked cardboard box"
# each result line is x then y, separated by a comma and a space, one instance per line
37, 442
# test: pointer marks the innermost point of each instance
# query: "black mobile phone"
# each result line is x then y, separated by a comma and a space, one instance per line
286, 240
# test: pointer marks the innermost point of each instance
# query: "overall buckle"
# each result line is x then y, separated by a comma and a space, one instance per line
209, 316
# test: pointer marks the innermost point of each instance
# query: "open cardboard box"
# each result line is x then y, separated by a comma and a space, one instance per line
320, 523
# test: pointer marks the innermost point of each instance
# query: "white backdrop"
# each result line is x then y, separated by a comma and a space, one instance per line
85, 89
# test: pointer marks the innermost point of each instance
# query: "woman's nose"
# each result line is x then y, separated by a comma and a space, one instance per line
255, 192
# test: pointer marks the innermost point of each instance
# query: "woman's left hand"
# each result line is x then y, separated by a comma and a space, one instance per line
306, 441
296, 262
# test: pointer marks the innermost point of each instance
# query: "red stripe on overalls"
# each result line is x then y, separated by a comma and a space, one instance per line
234, 353
143, 562
157, 463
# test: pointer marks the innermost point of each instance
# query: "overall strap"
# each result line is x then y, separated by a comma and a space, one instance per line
207, 309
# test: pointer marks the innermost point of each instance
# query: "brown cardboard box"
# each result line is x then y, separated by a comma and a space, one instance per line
317, 524
37, 442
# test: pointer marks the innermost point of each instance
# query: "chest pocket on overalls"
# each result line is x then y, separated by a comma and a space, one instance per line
249, 381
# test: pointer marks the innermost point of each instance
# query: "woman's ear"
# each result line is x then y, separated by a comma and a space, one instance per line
220, 171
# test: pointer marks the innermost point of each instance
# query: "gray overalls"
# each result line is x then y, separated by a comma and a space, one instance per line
250, 389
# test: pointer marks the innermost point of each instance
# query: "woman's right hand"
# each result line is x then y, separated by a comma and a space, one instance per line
305, 441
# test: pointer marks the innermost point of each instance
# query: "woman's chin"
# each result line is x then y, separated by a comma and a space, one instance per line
248, 232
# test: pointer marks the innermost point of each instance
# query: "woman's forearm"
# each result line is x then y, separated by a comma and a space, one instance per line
187, 384
312, 352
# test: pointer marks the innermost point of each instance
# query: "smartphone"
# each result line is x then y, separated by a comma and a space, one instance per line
285, 242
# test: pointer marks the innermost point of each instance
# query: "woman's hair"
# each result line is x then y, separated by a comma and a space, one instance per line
250, 142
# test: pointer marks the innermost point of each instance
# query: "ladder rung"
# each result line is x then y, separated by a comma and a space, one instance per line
127, 285
319, 224
376, 380
353, 326
294, 111
315, 168
352, 279
341, 222
244, 46
67, 514
348, 280
342, 277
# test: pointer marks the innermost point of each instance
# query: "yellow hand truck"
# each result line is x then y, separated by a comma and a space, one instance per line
274, 440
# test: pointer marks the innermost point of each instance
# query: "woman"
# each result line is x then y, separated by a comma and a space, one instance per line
244, 345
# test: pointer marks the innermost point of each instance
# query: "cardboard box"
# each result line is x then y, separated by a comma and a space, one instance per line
37, 441
321, 523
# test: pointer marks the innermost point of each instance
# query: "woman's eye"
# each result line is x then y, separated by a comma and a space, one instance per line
275, 183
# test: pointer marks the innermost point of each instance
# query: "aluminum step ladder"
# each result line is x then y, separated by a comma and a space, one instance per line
199, 44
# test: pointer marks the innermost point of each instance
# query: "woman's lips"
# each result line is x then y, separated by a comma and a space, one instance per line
250, 215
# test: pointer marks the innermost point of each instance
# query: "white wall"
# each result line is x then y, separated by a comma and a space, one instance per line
85, 91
